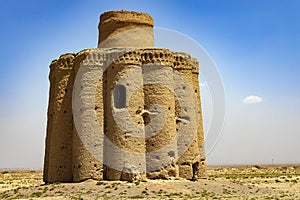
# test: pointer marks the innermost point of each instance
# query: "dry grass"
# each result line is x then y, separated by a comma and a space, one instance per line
221, 183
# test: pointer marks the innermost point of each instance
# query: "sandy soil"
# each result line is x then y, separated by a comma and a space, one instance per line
221, 183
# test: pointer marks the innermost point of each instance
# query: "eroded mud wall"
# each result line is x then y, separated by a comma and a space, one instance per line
58, 155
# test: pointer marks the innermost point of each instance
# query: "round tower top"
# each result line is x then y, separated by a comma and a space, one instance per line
127, 17
125, 29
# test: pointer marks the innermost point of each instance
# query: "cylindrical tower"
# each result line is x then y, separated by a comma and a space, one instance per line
58, 162
189, 160
124, 145
125, 29
87, 105
159, 118
145, 100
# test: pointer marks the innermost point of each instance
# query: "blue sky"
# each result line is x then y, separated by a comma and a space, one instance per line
254, 44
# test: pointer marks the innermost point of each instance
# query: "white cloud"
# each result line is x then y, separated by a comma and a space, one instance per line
252, 99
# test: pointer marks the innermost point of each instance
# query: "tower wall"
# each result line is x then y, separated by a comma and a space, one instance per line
88, 105
124, 129
125, 29
161, 142
201, 169
58, 162
189, 161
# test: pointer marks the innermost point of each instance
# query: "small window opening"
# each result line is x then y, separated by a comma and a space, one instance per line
120, 96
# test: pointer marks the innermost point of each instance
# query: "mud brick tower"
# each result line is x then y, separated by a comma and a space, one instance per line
124, 110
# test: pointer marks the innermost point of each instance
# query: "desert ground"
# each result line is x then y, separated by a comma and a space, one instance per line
247, 182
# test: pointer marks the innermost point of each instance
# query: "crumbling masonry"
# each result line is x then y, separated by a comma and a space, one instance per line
125, 50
